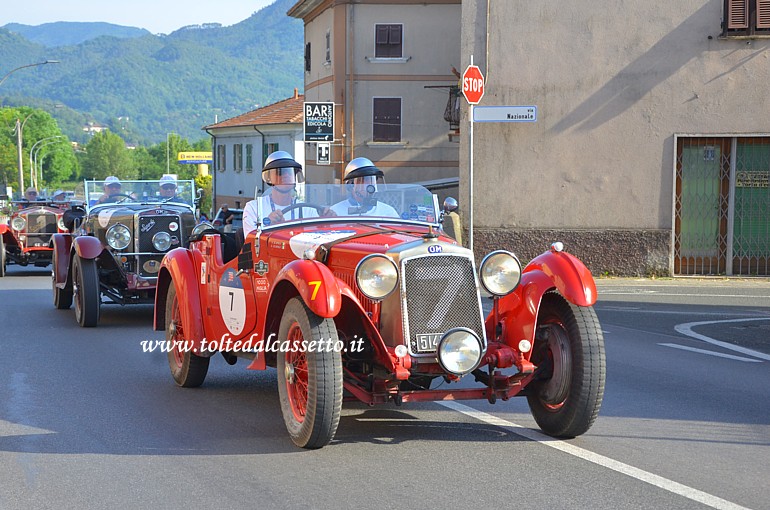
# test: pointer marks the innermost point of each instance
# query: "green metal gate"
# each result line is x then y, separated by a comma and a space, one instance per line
722, 206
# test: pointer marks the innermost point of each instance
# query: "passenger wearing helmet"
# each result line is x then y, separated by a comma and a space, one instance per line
451, 222
361, 178
282, 173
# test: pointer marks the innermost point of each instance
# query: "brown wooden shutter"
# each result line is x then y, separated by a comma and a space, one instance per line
763, 13
737, 14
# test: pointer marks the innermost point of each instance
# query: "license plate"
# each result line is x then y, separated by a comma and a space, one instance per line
427, 342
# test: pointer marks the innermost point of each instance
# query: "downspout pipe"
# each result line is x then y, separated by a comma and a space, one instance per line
215, 167
262, 151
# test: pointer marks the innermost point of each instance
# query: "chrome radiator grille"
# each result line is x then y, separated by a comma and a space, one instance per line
439, 293
148, 265
40, 226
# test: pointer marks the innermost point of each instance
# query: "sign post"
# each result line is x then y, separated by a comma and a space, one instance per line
473, 90
319, 122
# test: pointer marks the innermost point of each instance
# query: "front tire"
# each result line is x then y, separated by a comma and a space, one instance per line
62, 298
309, 381
86, 291
566, 395
3, 256
188, 370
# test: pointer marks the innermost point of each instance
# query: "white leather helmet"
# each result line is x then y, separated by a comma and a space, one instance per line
281, 160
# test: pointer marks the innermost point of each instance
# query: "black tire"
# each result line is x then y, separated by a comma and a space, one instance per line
87, 295
567, 392
309, 382
62, 298
188, 370
3, 256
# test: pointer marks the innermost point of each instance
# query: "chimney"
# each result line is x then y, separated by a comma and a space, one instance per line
296, 93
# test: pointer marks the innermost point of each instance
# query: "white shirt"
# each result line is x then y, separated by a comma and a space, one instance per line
250, 213
381, 209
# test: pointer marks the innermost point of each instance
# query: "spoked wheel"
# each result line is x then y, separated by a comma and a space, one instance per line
62, 298
309, 381
567, 393
188, 369
2, 257
86, 291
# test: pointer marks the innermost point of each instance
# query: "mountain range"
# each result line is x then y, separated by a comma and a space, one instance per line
144, 86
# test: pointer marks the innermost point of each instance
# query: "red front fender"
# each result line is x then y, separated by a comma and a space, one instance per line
316, 285
87, 247
178, 269
517, 312
62, 244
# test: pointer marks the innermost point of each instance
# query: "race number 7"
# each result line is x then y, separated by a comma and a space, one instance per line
316, 285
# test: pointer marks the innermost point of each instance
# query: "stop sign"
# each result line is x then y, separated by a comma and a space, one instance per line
473, 84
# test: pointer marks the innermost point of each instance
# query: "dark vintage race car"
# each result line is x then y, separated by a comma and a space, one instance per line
26, 238
382, 309
117, 244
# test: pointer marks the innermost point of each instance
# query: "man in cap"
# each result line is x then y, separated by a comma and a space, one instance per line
168, 189
112, 191
31, 194
59, 196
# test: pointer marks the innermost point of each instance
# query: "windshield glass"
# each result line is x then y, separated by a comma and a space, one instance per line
139, 192
334, 202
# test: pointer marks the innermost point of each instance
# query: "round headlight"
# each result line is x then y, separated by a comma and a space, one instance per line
161, 241
376, 276
18, 223
459, 351
61, 224
118, 236
500, 272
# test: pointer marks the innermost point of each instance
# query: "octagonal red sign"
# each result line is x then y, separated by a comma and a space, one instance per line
473, 84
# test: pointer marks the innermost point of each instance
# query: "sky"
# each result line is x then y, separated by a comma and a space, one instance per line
157, 16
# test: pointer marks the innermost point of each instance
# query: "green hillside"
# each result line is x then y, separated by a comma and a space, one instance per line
143, 88
65, 33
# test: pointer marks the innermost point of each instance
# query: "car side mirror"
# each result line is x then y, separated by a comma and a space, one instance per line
199, 196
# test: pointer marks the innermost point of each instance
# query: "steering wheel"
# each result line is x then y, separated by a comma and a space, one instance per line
319, 208
111, 201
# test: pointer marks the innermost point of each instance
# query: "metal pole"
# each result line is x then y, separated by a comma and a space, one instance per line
21, 158
470, 176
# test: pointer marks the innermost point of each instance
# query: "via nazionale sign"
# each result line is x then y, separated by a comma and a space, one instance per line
505, 114
319, 122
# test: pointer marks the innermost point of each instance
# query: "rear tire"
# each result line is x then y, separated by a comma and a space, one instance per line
86, 291
569, 351
188, 370
309, 381
62, 298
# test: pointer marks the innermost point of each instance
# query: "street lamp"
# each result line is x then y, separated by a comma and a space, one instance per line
31, 164
33, 170
28, 65
20, 125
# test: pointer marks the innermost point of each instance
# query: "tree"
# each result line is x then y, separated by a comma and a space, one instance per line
106, 154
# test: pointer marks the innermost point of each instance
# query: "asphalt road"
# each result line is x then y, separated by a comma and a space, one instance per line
88, 420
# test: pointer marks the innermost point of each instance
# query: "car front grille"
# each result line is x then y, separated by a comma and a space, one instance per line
40, 227
148, 265
439, 293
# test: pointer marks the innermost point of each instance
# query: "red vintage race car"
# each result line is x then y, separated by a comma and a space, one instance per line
382, 309
26, 239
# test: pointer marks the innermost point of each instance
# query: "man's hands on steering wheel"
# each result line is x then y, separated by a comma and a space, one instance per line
277, 216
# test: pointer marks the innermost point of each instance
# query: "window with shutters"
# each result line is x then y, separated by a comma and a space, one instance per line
307, 57
388, 41
328, 47
386, 119
746, 18
249, 158
237, 157
221, 158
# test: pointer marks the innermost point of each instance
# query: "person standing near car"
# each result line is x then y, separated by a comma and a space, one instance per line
227, 218
361, 181
282, 173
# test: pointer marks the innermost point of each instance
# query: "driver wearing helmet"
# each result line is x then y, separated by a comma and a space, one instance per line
361, 180
282, 173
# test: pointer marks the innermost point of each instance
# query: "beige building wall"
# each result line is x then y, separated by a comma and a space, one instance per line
613, 84
353, 77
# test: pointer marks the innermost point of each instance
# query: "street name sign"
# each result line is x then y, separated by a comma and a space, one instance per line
505, 114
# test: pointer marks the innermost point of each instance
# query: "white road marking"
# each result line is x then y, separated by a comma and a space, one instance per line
711, 353
686, 329
595, 458
598, 307
607, 292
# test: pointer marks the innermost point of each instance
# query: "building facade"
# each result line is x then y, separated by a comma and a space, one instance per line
651, 149
241, 144
386, 66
